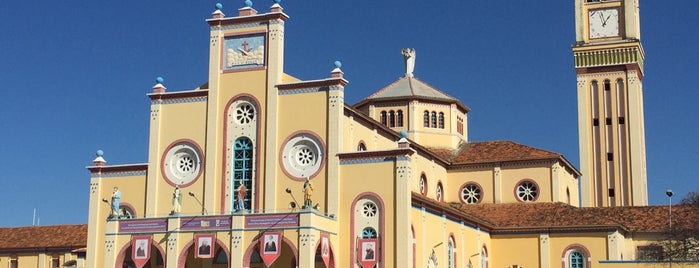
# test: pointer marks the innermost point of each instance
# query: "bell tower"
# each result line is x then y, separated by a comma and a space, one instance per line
608, 60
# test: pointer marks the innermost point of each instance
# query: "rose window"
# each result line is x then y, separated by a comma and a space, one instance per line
369, 209
244, 114
305, 156
471, 194
527, 191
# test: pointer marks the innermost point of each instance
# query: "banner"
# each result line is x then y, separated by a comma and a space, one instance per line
140, 250
204, 246
367, 252
325, 249
270, 247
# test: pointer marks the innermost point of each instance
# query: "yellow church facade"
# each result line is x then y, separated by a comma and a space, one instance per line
257, 168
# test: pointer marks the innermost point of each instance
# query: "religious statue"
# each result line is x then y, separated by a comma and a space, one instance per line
241, 196
307, 193
116, 198
176, 201
409, 57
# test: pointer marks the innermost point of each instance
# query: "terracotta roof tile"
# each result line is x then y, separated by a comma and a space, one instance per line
652, 218
535, 215
493, 151
54, 236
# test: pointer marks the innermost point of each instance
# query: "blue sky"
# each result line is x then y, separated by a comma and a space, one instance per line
75, 75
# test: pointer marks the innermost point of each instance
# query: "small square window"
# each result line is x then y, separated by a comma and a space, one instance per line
595, 122
610, 156
622, 120
608, 121
611, 192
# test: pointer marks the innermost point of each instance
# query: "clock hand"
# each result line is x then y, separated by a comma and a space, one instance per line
605, 20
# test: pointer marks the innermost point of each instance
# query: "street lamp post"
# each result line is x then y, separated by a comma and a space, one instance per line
668, 192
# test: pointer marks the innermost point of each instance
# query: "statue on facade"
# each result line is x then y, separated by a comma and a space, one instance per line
307, 193
176, 201
116, 198
240, 194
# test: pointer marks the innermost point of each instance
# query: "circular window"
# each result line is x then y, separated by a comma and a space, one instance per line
244, 114
182, 163
369, 209
471, 193
302, 156
527, 191
439, 192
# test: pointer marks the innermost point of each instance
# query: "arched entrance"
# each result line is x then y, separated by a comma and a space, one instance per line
287, 259
156, 260
220, 258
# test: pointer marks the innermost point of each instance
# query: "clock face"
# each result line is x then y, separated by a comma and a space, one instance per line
603, 23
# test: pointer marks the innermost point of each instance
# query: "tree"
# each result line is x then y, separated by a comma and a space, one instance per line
681, 243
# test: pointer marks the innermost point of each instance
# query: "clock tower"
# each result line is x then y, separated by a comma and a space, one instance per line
609, 66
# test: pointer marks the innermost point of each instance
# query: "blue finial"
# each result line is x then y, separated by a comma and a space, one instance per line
338, 64
277, 1
403, 134
248, 3
100, 153
159, 80
219, 6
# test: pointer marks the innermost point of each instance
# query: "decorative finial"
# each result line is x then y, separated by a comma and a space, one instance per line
219, 6
409, 57
99, 160
338, 64
337, 73
158, 87
403, 134
248, 3
277, 1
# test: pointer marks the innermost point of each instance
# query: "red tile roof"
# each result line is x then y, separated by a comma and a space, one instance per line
548, 215
652, 218
535, 216
41, 237
493, 151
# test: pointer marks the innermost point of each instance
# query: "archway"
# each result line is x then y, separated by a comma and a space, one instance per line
287, 259
220, 258
157, 259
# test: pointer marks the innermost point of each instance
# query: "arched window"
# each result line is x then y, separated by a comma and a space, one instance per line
241, 136
426, 119
399, 118
434, 119
369, 233
242, 174
576, 260
451, 258
576, 256
423, 184
441, 120
440, 192
361, 147
392, 119
383, 118
484, 257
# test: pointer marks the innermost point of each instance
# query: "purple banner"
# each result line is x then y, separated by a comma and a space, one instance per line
130, 226
205, 223
281, 220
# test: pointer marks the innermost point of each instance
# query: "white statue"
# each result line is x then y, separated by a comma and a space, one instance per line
409, 57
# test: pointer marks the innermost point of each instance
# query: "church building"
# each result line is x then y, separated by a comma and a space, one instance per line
238, 176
